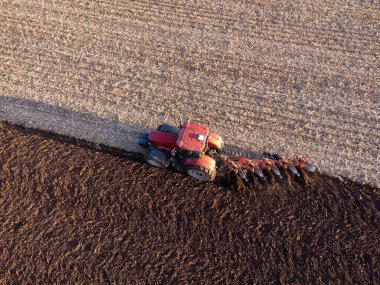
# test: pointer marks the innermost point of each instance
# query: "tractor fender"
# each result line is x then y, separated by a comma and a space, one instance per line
162, 139
204, 161
143, 141
215, 141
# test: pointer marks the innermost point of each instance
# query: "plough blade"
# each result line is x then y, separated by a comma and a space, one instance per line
276, 171
267, 168
309, 167
293, 170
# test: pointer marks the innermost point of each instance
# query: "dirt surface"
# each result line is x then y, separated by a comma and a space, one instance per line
72, 214
291, 77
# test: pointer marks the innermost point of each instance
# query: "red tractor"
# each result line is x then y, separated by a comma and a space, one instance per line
187, 148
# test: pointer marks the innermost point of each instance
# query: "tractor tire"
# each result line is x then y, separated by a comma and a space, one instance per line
200, 173
169, 129
157, 158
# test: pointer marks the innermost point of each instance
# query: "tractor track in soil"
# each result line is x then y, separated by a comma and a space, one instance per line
74, 214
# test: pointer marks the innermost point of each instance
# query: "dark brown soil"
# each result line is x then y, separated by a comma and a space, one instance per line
72, 214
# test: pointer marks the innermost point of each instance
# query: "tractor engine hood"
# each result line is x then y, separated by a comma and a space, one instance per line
193, 137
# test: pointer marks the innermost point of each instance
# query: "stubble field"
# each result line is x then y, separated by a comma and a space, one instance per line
289, 77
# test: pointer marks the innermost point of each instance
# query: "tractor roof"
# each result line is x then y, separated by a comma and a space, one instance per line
193, 137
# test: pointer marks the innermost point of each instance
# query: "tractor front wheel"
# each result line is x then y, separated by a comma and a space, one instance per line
202, 174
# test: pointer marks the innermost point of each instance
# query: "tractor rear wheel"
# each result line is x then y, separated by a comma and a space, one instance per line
169, 129
157, 158
202, 174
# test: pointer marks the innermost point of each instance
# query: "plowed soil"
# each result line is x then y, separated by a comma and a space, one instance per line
73, 214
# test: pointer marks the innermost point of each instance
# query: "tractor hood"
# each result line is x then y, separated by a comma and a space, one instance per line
193, 137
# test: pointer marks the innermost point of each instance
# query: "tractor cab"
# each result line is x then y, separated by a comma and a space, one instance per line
193, 138
191, 143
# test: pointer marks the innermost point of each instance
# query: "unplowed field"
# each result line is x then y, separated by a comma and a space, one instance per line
76, 215
292, 77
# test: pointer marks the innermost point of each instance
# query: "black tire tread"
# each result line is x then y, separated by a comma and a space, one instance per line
147, 158
210, 172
